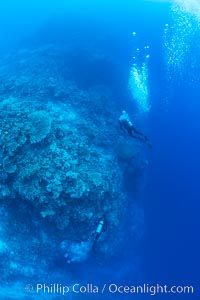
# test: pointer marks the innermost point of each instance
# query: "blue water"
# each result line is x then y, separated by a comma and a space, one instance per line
167, 191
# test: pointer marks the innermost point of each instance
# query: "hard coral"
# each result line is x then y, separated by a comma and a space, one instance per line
40, 126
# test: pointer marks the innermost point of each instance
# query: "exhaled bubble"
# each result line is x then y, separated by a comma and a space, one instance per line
138, 79
181, 40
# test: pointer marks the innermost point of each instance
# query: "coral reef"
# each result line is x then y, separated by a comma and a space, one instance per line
60, 170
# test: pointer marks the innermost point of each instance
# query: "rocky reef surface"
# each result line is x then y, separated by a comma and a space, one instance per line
62, 167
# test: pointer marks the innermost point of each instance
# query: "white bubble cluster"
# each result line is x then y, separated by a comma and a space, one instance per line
139, 86
181, 39
138, 82
189, 6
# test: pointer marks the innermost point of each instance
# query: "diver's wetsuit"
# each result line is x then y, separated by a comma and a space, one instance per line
127, 125
101, 227
131, 130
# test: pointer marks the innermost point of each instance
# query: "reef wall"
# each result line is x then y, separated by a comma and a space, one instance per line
63, 160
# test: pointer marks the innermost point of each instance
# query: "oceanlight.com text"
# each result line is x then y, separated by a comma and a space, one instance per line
151, 289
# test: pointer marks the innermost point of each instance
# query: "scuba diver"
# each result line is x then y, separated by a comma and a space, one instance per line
127, 125
101, 227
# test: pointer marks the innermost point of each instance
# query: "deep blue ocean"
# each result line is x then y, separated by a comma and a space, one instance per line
157, 240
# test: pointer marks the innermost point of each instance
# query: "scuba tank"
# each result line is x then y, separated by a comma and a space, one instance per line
101, 227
